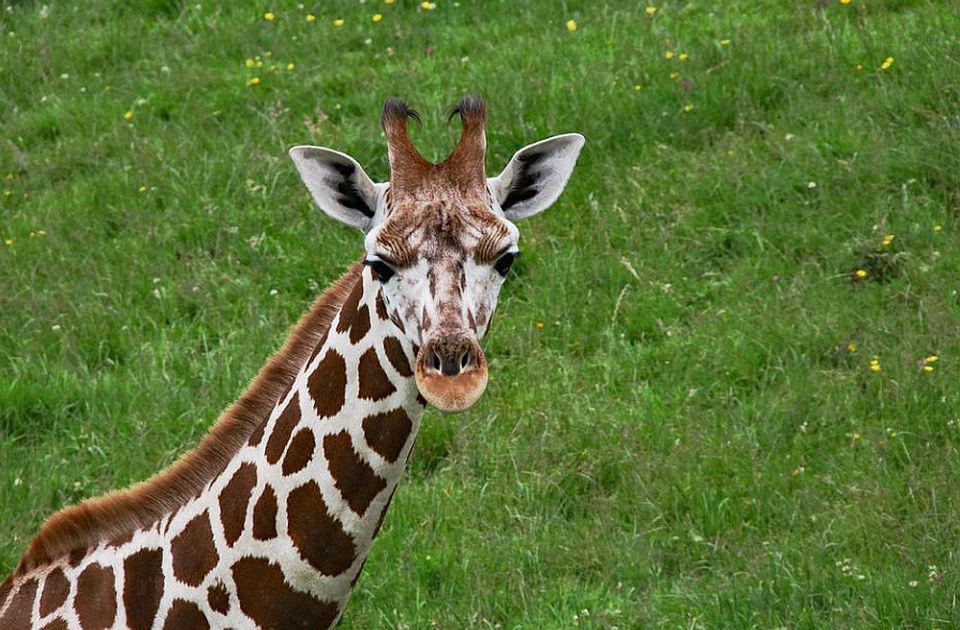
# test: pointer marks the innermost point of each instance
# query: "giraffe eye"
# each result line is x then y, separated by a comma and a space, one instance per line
382, 270
504, 263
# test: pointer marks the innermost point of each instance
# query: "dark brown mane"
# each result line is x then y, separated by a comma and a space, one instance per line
104, 518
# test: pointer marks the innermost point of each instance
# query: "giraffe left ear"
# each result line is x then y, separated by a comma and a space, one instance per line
536, 176
338, 185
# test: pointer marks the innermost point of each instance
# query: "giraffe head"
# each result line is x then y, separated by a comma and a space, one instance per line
440, 238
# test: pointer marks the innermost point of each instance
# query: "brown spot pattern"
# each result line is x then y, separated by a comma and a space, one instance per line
184, 615
234, 500
5, 589
328, 384
18, 611
257, 435
76, 555
142, 587
55, 590
269, 601
349, 309
317, 535
96, 599
265, 515
194, 554
56, 624
282, 428
374, 383
361, 324
381, 306
318, 347
219, 598
120, 541
354, 478
300, 452
397, 357
387, 432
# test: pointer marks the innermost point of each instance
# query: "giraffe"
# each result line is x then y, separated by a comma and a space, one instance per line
268, 521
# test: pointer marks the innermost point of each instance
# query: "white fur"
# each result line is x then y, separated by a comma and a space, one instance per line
552, 173
317, 168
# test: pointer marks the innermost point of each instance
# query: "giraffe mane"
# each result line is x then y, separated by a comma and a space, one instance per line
119, 512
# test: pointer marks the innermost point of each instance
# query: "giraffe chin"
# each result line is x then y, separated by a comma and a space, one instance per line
452, 393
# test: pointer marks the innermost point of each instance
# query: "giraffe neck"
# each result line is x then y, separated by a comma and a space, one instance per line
277, 539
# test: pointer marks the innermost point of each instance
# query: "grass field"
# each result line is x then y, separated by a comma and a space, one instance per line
685, 426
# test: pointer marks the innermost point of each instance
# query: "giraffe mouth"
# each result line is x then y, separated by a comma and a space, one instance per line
451, 372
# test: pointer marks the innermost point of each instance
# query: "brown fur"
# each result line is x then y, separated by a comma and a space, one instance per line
407, 166
86, 524
465, 166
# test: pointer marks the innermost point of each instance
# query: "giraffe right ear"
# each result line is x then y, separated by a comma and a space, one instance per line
338, 185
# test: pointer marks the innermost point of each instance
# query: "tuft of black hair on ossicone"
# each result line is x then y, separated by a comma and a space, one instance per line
469, 107
394, 108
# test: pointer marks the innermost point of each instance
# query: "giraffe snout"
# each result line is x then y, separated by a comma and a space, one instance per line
451, 356
451, 371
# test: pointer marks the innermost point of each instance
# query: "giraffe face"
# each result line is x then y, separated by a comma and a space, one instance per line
441, 258
440, 238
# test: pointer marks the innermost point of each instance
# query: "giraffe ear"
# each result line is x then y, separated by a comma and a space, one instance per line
338, 185
536, 176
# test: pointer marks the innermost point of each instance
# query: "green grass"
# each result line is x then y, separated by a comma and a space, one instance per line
687, 443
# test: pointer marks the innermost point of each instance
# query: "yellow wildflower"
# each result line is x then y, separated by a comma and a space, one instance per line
128, 116
886, 63
249, 62
888, 239
571, 25
688, 107
253, 81
724, 42
428, 6
668, 54
389, 1
338, 22
855, 436
928, 368
651, 10
311, 17
852, 347
539, 325
377, 17
637, 87
860, 273
858, 67
683, 56
268, 16
41, 232
674, 75
937, 228
291, 66
874, 364
8, 242
7, 192
142, 189
845, 1
933, 358
268, 54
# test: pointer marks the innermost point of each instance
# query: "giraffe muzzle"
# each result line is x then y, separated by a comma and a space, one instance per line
451, 371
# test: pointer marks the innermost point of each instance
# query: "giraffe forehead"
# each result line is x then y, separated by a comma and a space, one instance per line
440, 224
